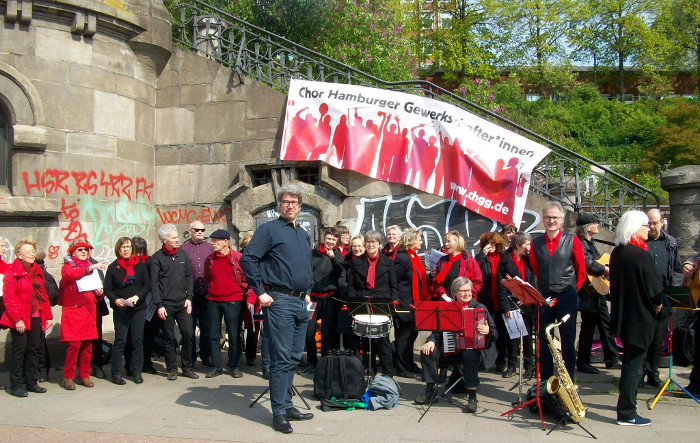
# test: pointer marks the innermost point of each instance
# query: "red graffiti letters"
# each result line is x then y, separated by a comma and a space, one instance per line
87, 182
53, 251
188, 215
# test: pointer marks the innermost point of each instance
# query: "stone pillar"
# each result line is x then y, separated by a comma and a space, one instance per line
683, 186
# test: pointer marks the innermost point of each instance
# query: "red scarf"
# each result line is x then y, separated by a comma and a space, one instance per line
142, 258
371, 270
344, 250
391, 253
637, 242
322, 249
128, 266
494, 258
419, 284
36, 301
169, 251
451, 259
520, 264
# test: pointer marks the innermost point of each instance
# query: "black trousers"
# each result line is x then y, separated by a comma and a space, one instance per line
380, 347
128, 325
200, 317
24, 355
653, 357
150, 332
589, 322
404, 339
184, 322
631, 374
469, 360
96, 359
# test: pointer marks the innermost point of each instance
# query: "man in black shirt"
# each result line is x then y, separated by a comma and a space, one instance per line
663, 249
277, 266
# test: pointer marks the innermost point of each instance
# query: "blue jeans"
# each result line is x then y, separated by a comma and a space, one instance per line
231, 312
286, 320
567, 303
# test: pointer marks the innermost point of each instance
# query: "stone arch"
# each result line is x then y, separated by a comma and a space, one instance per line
25, 108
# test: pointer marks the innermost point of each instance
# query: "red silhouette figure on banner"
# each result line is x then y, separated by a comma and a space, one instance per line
391, 147
336, 152
321, 138
293, 136
457, 166
362, 143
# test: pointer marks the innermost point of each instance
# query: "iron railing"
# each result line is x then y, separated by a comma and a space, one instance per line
564, 175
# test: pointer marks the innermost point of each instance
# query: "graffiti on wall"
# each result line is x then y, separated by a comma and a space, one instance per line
434, 219
92, 183
179, 215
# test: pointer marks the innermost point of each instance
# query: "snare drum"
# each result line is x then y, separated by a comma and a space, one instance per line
372, 326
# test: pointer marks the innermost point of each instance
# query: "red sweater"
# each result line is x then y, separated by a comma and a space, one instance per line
223, 286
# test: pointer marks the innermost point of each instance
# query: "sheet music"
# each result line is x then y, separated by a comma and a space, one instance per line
514, 323
432, 258
90, 282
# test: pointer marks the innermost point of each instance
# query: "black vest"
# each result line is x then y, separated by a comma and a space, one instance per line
557, 273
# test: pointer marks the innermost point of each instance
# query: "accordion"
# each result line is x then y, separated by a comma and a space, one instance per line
468, 337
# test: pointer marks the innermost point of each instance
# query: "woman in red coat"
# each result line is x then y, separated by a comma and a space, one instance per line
78, 327
27, 314
457, 263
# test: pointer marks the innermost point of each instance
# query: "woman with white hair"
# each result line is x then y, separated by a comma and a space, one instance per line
636, 293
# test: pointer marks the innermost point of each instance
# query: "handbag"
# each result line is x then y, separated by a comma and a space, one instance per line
684, 343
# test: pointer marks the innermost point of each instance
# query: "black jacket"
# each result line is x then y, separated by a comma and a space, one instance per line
590, 254
385, 285
635, 291
484, 295
507, 267
171, 278
672, 274
114, 285
404, 281
326, 270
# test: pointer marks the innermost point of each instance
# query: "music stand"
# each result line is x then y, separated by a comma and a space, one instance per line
295, 391
678, 297
370, 306
441, 316
528, 295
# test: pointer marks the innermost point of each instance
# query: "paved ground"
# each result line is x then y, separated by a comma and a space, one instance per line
217, 410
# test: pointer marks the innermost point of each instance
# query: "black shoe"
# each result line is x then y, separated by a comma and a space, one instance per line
36, 388
407, 374
588, 369
654, 381
509, 373
236, 373
150, 370
138, 379
308, 369
266, 373
250, 361
280, 423
293, 414
189, 373
613, 364
172, 375
97, 371
118, 380
425, 398
214, 373
19, 392
471, 406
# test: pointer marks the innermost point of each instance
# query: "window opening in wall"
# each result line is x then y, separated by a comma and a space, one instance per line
308, 175
4, 145
260, 177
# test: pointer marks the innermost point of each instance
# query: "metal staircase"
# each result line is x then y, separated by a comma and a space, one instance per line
577, 182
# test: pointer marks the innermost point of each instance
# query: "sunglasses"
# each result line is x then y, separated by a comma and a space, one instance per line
198, 230
82, 250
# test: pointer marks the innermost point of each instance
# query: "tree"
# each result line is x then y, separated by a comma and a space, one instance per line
679, 22
622, 28
678, 140
535, 32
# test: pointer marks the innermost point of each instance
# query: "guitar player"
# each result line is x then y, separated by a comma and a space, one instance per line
592, 304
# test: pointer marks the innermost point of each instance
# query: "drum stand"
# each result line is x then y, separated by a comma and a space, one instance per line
370, 311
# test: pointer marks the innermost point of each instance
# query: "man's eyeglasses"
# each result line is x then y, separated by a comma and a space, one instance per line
198, 230
290, 203
551, 217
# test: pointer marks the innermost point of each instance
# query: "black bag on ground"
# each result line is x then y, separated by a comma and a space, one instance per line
339, 375
684, 345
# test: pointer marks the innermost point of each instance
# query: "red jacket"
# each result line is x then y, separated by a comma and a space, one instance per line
235, 260
17, 289
466, 267
79, 308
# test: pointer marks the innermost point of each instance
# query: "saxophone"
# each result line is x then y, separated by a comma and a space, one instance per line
563, 387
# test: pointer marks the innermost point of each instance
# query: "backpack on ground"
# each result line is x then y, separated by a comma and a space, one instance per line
684, 344
339, 375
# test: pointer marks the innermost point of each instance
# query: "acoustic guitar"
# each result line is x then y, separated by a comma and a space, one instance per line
694, 282
601, 284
